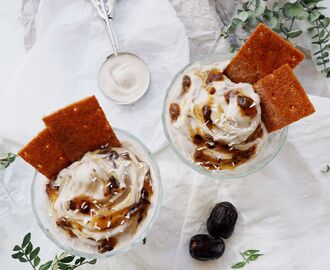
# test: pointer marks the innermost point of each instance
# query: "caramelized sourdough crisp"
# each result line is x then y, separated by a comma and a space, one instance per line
283, 99
81, 127
45, 154
261, 54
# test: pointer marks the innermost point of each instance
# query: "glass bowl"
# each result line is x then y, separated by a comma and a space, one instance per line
270, 149
40, 206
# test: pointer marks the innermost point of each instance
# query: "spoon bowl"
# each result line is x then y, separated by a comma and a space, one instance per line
124, 78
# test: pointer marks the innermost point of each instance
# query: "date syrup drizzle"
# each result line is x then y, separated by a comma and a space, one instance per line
246, 105
103, 216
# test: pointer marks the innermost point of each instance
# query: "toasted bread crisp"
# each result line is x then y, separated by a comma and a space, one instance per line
264, 52
81, 127
45, 154
283, 99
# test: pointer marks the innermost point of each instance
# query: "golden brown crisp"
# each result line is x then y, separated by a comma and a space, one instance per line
261, 54
283, 99
45, 154
81, 127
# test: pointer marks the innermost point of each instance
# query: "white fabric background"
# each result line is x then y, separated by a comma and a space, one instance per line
283, 209
70, 49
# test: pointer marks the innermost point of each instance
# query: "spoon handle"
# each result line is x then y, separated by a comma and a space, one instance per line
110, 29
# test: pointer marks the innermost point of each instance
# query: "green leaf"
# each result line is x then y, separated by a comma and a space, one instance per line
26, 240
16, 248
245, 5
294, 33
276, 7
36, 261
322, 62
312, 28
29, 248
67, 259
253, 257
22, 259
319, 35
284, 29
250, 252
55, 263
253, 21
320, 42
259, 11
328, 74
46, 265
17, 255
314, 15
243, 16
6, 161
294, 10
80, 260
325, 22
34, 253
238, 265
326, 169
274, 21
233, 25
92, 261
63, 266
327, 48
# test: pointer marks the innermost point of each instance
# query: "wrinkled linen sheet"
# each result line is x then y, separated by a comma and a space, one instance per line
283, 209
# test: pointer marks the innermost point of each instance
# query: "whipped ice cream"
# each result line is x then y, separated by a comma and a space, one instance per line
102, 198
216, 123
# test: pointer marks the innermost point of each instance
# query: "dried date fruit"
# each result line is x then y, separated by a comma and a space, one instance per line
205, 247
222, 220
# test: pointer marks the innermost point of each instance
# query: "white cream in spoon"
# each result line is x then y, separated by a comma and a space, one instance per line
124, 78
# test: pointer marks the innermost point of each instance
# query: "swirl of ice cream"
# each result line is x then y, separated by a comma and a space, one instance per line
101, 198
213, 120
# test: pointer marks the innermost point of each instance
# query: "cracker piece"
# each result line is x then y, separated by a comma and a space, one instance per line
263, 52
45, 154
283, 99
81, 127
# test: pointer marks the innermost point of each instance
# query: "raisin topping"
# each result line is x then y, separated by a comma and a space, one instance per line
214, 75
247, 105
186, 83
174, 111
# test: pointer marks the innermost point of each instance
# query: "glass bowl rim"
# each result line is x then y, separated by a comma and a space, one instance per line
138, 239
219, 175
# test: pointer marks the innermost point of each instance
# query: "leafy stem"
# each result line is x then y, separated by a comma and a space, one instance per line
6, 160
248, 256
290, 29
281, 18
26, 253
244, 257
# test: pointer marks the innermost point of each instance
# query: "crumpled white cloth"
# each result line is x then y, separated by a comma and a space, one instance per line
283, 209
72, 43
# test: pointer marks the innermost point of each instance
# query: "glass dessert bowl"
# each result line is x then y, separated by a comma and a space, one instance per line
214, 125
101, 220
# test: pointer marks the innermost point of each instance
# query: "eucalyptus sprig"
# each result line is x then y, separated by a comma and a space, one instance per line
282, 18
248, 256
6, 160
27, 253
326, 169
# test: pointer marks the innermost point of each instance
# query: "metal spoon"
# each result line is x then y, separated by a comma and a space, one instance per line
112, 79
